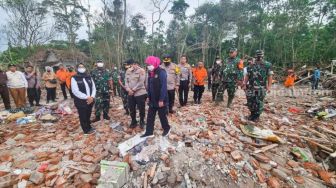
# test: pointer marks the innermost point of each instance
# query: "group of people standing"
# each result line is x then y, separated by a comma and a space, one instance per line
156, 86
28, 84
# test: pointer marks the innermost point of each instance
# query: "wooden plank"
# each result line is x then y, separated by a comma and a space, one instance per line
266, 148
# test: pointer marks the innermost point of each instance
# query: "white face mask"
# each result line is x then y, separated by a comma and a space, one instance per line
100, 64
81, 70
150, 67
218, 62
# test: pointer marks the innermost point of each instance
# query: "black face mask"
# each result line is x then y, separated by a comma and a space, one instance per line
167, 63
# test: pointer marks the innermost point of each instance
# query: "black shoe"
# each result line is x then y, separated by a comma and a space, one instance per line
92, 131
166, 132
142, 124
95, 120
147, 135
256, 118
134, 125
199, 102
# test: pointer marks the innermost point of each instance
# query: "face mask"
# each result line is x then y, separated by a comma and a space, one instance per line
100, 64
81, 70
167, 63
218, 62
150, 67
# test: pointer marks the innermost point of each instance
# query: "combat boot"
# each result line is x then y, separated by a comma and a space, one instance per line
142, 124
134, 124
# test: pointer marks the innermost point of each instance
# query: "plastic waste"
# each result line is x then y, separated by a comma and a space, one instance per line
264, 134
15, 116
298, 152
64, 108
129, 144
26, 120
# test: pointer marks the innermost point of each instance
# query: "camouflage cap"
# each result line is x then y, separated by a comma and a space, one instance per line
260, 53
233, 49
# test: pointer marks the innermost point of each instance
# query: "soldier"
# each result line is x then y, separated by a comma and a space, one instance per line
231, 75
115, 75
215, 79
137, 94
123, 92
103, 81
257, 82
185, 78
173, 79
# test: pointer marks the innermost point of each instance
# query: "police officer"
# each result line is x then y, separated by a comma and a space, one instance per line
173, 79
103, 80
123, 91
185, 78
137, 94
257, 82
215, 79
231, 75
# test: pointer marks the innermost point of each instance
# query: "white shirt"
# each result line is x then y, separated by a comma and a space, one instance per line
245, 71
16, 79
79, 94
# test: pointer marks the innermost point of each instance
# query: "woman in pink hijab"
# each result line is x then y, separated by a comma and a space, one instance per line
157, 95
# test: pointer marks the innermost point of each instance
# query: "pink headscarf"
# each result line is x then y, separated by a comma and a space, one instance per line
152, 60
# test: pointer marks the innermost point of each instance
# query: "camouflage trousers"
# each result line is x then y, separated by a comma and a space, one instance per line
102, 104
231, 90
124, 98
255, 100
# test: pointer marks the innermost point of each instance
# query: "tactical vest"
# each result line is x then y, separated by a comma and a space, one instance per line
81, 88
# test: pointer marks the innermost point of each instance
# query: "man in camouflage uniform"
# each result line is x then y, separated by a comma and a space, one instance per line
173, 79
257, 83
103, 81
215, 80
123, 91
231, 76
115, 79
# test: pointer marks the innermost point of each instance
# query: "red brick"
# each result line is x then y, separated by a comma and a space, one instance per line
325, 176
293, 164
51, 175
312, 166
87, 158
261, 176
273, 182
299, 179
236, 155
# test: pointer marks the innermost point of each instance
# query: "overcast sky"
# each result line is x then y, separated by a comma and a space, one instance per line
144, 7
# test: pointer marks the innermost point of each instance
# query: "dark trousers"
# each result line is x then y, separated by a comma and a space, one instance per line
34, 94
84, 113
151, 119
198, 92
215, 91
315, 84
171, 99
5, 96
63, 88
183, 92
51, 94
140, 102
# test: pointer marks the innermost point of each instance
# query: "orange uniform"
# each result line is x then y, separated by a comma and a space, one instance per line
68, 79
62, 75
200, 75
290, 79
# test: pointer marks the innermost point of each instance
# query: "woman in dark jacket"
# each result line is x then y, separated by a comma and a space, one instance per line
157, 97
84, 91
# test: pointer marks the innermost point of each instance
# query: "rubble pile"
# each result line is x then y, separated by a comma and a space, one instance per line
293, 145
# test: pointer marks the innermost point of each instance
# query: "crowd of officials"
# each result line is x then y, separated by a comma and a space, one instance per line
156, 86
